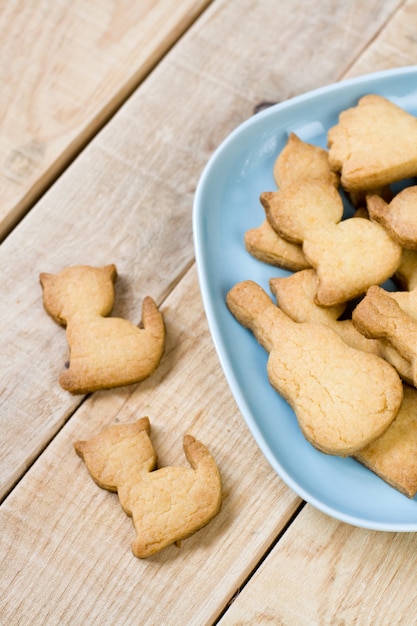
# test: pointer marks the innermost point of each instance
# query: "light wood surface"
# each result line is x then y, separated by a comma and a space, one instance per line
65, 68
127, 199
326, 572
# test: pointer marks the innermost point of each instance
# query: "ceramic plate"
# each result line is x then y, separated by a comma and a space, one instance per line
226, 205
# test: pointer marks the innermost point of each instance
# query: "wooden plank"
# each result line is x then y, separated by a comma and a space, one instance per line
395, 45
65, 69
65, 544
124, 197
326, 572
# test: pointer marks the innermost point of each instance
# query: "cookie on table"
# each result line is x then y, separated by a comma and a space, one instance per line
105, 352
167, 504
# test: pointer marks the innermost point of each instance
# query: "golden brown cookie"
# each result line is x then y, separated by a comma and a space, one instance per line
300, 208
105, 351
348, 255
296, 296
393, 456
267, 246
373, 144
398, 217
380, 316
167, 504
299, 160
343, 398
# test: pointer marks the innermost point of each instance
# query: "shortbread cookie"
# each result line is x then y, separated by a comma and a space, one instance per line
299, 161
105, 351
267, 246
343, 398
398, 217
295, 296
300, 208
393, 456
348, 256
168, 504
407, 301
374, 144
379, 316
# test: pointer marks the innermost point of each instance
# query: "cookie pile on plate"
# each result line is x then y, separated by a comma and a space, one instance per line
342, 347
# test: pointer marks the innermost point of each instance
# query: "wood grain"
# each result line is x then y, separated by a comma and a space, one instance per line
395, 45
66, 68
326, 572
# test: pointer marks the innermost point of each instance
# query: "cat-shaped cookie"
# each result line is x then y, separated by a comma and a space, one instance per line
391, 317
295, 295
297, 162
166, 504
398, 216
105, 351
373, 144
392, 456
348, 255
343, 397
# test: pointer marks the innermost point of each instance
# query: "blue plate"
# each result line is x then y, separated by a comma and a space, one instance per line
226, 205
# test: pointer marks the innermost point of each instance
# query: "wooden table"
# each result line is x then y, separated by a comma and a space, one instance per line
109, 112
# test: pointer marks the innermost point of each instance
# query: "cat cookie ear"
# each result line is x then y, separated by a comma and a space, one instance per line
44, 277
50, 302
111, 271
